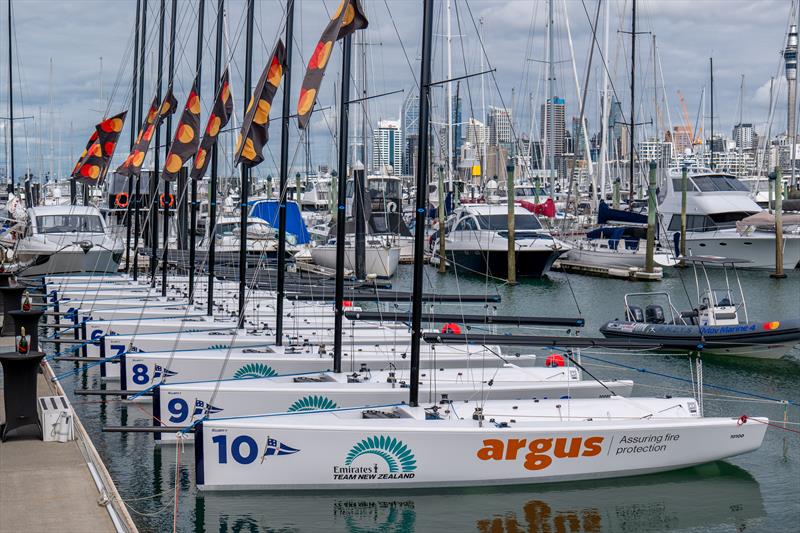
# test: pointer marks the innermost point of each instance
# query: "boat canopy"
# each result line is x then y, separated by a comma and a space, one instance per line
607, 214
267, 210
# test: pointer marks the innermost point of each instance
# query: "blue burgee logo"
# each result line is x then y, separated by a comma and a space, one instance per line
275, 448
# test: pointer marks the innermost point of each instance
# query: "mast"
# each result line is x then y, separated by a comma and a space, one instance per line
245, 187
140, 114
604, 121
284, 176
483, 140
359, 175
741, 105
422, 187
450, 102
10, 103
211, 222
193, 200
134, 120
631, 141
551, 111
711, 70
167, 185
154, 173
341, 212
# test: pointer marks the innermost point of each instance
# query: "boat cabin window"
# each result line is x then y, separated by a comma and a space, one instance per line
69, 223
500, 222
719, 182
384, 188
708, 222
677, 185
227, 230
467, 224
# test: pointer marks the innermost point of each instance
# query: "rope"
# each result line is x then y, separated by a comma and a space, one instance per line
685, 380
744, 419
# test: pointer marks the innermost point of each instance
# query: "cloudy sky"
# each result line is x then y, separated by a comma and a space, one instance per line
89, 45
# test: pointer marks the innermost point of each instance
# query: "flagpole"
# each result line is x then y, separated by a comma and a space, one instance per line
287, 91
140, 113
211, 222
245, 185
133, 122
193, 201
156, 159
167, 184
347, 48
421, 200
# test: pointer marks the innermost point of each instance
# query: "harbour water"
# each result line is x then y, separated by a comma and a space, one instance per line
755, 492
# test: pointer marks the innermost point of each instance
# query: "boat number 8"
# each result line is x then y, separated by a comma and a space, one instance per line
244, 449
140, 376
179, 410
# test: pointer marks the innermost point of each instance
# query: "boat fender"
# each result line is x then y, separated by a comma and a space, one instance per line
391, 207
121, 200
554, 360
451, 327
171, 199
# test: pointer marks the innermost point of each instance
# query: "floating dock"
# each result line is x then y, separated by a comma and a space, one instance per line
619, 272
56, 486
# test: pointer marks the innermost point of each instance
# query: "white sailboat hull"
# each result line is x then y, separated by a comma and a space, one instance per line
379, 260
331, 450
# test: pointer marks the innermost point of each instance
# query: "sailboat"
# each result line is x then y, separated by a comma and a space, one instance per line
455, 443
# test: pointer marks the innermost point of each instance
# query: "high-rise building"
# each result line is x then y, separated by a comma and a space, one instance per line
682, 139
409, 126
553, 136
499, 123
477, 134
458, 138
387, 146
578, 143
744, 135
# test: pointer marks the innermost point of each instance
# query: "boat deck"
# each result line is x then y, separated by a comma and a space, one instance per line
48, 486
630, 273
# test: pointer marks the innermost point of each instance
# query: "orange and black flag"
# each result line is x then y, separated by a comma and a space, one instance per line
348, 18
187, 136
94, 164
220, 115
133, 163
255, 127
92, 141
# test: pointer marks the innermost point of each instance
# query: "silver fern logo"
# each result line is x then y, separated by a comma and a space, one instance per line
312, 403
254, 370
378, 457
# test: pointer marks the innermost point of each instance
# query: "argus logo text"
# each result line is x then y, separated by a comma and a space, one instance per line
538, 454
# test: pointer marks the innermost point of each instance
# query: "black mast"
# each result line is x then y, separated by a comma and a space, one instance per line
154, 173
284, 177
245, 187
193, 201
631, 142
167, 185
134, 120
211, 222
347, 46
711, 68
10, 104
422, 187
140, 113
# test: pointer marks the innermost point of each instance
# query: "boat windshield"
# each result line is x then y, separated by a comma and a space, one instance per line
718, 182
384, 188
69, 223
500, 222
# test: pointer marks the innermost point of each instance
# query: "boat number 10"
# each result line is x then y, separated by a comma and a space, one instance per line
243, 449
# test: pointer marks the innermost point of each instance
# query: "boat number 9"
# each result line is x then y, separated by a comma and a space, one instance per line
243, 449
179, 410
140, 376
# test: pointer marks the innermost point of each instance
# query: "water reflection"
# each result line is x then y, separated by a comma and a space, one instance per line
701, 497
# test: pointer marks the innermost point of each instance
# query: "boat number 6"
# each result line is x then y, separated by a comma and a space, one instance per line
243, 449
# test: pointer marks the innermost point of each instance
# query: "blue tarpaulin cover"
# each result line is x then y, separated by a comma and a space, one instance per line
605, 214
267, 210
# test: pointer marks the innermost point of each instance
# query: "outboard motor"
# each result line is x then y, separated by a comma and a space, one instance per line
654, 314
634, 313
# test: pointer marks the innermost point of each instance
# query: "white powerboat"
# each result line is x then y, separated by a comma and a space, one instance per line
476, 241
715, 202
66, 238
